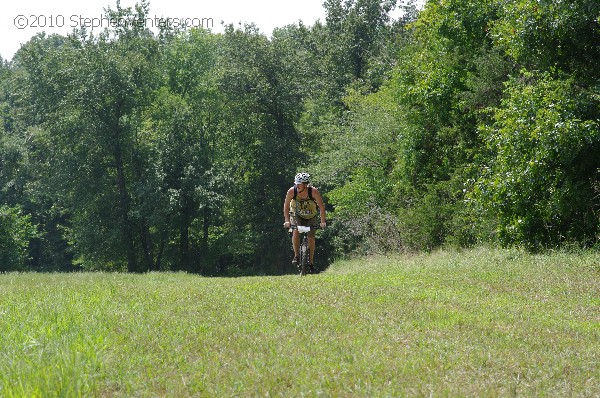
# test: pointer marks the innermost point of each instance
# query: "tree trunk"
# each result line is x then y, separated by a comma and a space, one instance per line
184, 234
124, 207
146, 240
205, 226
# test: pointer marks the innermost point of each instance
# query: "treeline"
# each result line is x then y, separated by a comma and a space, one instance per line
470, 121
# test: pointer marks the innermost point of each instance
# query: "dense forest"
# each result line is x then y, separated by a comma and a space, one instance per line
467, 122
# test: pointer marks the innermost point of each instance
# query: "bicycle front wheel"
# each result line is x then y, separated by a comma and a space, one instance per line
304, 257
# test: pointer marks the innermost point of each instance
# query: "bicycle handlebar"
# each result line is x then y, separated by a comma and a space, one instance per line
303, 228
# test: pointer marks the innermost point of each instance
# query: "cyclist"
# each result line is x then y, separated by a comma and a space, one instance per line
302, 204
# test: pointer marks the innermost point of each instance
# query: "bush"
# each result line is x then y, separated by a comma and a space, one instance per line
16, 231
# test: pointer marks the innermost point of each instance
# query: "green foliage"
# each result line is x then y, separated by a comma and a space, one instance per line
546, 144
185, 186
262, 103
551, 34
130, 150
354, 169
16, 231
453, 70
357, 32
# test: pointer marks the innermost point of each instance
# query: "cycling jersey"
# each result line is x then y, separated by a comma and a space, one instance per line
304, 208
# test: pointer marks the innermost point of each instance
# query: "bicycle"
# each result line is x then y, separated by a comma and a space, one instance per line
304, 259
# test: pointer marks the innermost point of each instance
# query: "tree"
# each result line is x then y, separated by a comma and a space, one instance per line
542, 35
261, 108
183, 138
357, 32
29, 102
87, 95
539, 185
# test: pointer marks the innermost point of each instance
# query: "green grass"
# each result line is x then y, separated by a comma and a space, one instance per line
474, 323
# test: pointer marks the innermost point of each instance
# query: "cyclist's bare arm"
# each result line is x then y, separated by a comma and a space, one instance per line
319, 199
286, 207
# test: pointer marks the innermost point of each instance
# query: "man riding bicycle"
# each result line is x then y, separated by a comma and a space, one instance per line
300, 208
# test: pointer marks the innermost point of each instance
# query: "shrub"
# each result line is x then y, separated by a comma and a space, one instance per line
16, 231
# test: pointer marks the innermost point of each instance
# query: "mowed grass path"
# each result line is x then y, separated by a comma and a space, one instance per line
474, 323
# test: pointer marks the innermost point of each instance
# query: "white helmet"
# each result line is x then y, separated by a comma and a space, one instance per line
302, 178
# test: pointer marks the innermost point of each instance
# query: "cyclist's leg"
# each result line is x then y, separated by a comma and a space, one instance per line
311, 245
295, 238
296, 242
311, 239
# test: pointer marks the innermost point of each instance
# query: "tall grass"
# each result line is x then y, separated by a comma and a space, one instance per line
474, 323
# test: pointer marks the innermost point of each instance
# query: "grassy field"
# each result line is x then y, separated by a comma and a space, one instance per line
474, 323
